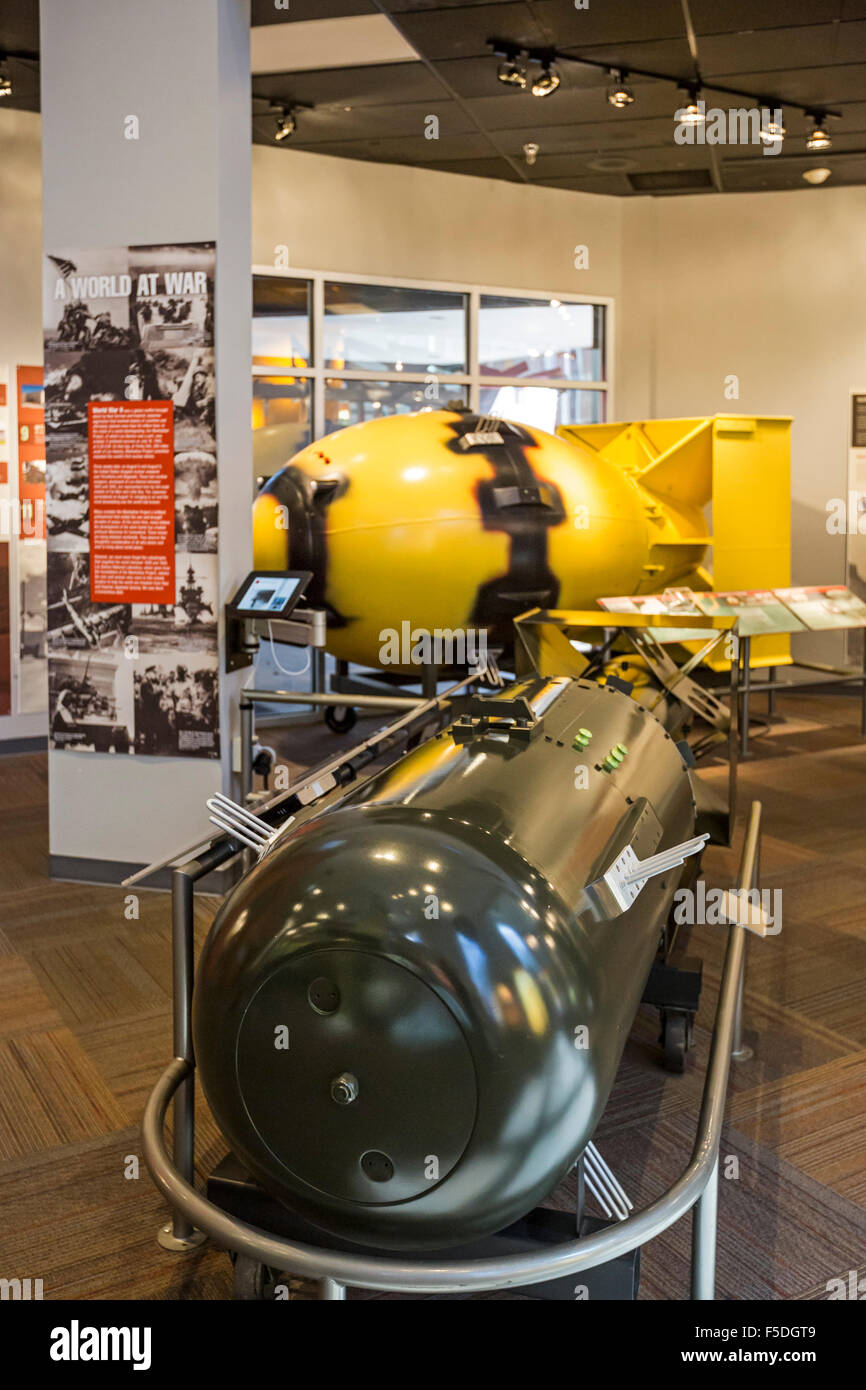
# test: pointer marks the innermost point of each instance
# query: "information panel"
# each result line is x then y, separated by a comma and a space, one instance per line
132, 506
130, 445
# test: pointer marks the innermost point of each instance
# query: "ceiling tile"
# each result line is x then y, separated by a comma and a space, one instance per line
464, 33
390, 84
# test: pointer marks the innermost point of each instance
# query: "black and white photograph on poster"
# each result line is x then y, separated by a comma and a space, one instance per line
67, 509
196, 609
186, 377
86, 297
173, 294
90, 702
72, 379
74, 622
32, 609
176, 707
190, 625
195, 500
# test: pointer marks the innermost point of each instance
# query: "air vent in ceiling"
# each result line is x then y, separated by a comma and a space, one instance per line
671, 181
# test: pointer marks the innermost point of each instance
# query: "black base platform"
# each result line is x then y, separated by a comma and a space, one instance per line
232, 1189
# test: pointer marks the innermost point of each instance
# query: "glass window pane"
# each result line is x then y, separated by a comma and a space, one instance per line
389, 328
282, 420
281, 321
540, 337
351, 402
544, 406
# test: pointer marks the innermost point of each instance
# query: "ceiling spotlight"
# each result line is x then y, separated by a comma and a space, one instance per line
547, 80
512, 69
530, 151
772, 131
619, 95
286, 125
693, 111
818, 139
816, 176
5, 80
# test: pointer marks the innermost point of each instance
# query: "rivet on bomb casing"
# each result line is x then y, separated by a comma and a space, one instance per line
344, 1088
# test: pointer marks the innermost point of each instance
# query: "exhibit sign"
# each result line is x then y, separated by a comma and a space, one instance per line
31, 452
758, 611
854, 511
4, 427
7, 530
5, 632
132, 507
131, 501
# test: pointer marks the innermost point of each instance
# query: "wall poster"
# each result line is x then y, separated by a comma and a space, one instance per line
31, 453
6, 514
855, 559
132, 508
31, 549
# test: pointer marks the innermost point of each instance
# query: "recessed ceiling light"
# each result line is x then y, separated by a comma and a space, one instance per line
5, 81
611, 164
816, 176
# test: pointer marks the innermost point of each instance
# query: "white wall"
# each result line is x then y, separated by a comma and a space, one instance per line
384, 219
771, 288
20, 319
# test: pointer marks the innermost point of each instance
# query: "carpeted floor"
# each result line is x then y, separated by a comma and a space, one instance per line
85, 1030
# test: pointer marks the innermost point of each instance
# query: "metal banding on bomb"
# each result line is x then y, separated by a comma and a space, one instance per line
408, 1016
481, 520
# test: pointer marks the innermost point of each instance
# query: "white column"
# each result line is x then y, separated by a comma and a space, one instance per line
183, 71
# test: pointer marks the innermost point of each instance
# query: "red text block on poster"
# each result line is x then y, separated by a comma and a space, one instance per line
131, 447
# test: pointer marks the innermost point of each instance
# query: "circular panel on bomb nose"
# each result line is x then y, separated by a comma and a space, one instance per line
356, 1076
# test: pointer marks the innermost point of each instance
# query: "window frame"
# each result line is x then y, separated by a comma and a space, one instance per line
474, 379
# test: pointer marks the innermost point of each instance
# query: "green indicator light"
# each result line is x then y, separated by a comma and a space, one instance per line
585, 733
621, 749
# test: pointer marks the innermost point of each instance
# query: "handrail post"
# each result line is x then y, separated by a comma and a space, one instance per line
179, 1234
740, 1051
705, 1214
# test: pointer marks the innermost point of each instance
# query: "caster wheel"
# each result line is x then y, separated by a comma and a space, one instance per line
263, 762
675, 1040
340, 719
252, 1281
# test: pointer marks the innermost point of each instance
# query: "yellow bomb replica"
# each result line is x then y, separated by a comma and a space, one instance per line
441, 521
